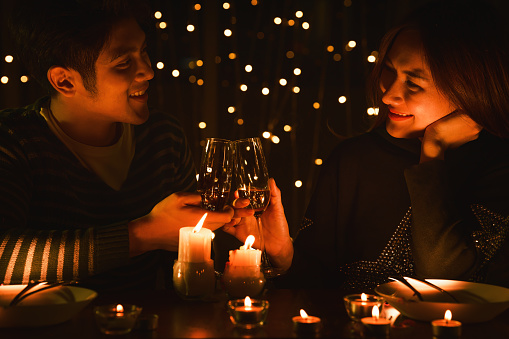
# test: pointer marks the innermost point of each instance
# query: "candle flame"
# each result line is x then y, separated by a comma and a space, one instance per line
303, 314
247, 302
120, 308
198, 226
375, 312
448, 315
249, 242
364, 297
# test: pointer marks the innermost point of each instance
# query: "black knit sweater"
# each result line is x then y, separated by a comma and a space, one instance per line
61, 222
377, 212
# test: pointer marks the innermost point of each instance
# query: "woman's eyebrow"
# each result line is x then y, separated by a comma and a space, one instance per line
416, 73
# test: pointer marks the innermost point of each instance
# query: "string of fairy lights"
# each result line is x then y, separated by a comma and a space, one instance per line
296, 20
282, 88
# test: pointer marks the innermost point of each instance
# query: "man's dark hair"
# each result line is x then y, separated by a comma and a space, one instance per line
67, 33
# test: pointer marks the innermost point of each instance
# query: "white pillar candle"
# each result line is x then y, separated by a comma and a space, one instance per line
246, 255
195, 243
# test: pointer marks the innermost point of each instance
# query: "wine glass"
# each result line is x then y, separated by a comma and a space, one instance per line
252, 182
215, 173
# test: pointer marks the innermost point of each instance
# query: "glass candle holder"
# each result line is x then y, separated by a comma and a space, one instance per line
307, 327
248, 317
357, 308
116, 319
242, 281
194, 280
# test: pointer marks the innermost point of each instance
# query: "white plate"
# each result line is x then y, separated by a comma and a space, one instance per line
48, 307
477, 302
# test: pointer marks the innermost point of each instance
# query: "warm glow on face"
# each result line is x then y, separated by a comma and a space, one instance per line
249, 241
448, 315
120, 308
198, 226
375, 312
303, 314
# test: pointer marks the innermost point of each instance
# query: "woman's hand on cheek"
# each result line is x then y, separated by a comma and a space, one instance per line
451, 131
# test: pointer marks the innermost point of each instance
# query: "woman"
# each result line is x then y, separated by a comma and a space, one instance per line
426, 192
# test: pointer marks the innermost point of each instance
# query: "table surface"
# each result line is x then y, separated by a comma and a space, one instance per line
180, 318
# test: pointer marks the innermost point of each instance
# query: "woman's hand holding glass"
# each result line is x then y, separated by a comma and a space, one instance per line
276, 234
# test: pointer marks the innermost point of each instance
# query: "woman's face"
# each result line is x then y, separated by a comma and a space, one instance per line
408, 89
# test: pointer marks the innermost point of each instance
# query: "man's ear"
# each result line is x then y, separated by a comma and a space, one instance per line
62, 80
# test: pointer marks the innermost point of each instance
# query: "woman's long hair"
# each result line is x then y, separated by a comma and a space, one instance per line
467, 49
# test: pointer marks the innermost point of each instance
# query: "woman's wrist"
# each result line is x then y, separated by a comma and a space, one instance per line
282, 259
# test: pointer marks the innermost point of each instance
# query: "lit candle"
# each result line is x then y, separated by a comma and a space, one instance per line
375, 325
446, 328
305, 325
359, 306
195, 243
248, 313
242, 275
116, 319
246, 255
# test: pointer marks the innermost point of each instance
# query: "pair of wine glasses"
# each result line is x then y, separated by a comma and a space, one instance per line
236, 169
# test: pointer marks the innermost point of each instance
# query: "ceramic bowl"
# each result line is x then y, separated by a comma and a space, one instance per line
48, 307
477, 302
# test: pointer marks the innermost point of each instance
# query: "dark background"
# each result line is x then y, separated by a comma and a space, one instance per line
258, 41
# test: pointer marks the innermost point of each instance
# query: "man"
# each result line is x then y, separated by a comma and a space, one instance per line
92, 184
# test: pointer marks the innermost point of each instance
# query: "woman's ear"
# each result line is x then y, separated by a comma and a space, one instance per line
62, 80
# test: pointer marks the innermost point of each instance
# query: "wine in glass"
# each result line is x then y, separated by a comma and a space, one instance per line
252, 182
215, 173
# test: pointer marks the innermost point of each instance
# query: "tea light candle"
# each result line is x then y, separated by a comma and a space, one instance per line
375, 325
246, 255
305, 325
359, 306
248, 313
117, 319
195, 243
446, 328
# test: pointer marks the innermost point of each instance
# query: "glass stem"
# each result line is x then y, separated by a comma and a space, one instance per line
265, 261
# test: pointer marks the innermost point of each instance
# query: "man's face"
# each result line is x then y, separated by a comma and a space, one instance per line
123, 70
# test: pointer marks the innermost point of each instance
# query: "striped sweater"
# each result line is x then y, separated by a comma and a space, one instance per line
59, 221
